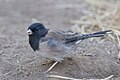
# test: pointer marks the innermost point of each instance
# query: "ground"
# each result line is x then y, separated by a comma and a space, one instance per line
94, 58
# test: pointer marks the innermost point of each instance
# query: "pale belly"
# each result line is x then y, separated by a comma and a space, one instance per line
56, 52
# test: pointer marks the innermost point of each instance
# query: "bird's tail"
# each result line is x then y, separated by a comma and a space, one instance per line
86, 36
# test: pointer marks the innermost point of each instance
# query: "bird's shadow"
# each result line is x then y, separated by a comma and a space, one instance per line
67, 65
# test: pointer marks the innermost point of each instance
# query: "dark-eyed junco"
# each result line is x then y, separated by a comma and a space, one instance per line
56, 45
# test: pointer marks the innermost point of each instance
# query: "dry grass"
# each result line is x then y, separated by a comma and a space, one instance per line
99, 18
103, 15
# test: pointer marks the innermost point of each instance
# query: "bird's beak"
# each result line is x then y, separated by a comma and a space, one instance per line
29, 32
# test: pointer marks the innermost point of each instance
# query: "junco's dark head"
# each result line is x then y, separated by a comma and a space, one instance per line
35, 32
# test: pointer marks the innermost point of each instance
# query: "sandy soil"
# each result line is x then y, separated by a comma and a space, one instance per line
95, 58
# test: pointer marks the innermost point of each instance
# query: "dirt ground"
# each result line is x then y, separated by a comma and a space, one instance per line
95, 58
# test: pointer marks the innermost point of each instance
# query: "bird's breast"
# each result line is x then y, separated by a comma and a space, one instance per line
54, 49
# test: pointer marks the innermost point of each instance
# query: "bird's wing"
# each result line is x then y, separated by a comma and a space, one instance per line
53, 45
86, 36
61, 35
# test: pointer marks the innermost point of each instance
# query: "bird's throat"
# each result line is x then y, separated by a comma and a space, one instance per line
34, 42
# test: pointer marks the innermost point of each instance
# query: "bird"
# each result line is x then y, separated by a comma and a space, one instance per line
56, 45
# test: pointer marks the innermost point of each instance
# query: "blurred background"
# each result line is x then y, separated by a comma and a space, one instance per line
83, 16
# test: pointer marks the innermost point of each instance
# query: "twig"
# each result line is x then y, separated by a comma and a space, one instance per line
118, 39
108, 77
67, 78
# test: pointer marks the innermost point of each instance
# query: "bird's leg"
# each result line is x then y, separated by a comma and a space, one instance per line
47, 62
49, 69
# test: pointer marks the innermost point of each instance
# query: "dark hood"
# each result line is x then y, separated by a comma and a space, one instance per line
35, 38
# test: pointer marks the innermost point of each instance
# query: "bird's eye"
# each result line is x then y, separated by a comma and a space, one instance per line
37, 29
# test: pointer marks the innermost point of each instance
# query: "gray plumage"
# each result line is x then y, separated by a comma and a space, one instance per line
56, 45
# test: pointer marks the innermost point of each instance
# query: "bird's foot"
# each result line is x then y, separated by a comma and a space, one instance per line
50, 68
